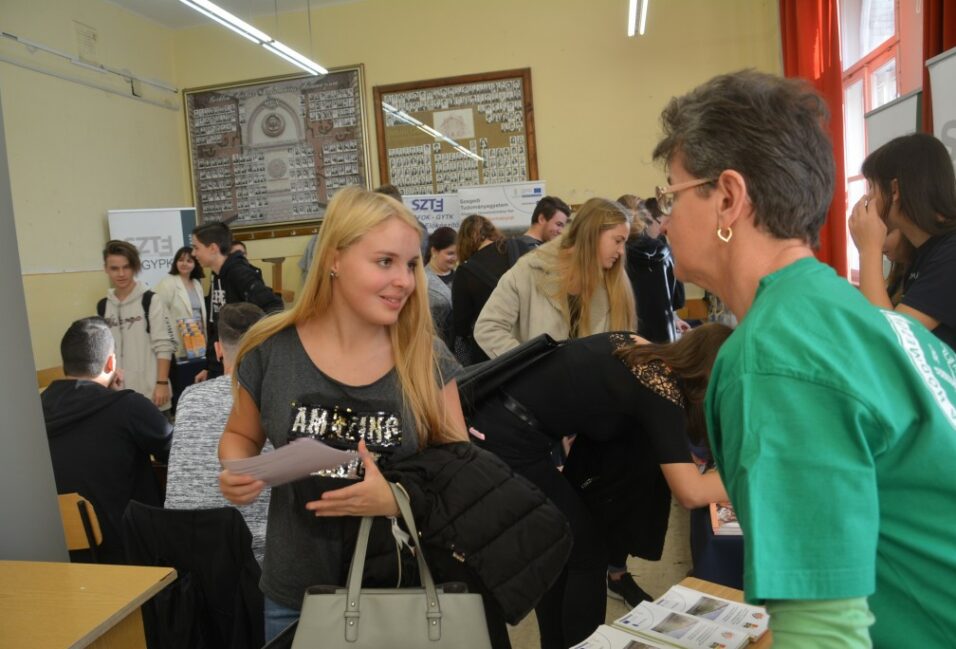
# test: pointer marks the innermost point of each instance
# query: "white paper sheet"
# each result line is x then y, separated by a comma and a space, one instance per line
293, 461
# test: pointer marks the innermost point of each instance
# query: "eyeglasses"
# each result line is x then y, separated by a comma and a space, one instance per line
666, 194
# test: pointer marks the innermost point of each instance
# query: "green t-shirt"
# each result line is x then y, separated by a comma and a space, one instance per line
833, 424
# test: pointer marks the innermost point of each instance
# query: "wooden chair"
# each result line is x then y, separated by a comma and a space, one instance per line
81, 527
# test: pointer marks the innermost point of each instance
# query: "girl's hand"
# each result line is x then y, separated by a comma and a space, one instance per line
370, 497
866, 227
239, 489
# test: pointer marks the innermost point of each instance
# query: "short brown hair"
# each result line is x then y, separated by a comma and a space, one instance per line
123, 249
768, 129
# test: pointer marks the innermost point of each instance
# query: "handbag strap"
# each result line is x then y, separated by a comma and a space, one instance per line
356, 570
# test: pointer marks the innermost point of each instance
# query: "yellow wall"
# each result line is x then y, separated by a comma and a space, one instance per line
75, 152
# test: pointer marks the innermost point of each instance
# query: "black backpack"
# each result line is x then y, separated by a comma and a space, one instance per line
146, 301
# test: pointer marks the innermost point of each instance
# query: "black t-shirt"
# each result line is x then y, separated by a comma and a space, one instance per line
447, 278
628, 422
930, 284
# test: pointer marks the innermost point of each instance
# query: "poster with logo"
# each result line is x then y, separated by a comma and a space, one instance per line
434, 210
508, 206
157, 234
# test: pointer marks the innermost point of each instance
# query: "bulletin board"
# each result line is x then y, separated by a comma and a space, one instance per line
272, 152
425, 127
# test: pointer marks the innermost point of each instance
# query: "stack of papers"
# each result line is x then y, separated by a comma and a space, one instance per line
683, 617
297, 459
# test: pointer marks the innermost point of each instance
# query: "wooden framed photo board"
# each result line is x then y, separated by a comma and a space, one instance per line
438, 135
272, 152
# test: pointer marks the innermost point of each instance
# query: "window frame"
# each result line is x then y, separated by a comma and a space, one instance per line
863, 69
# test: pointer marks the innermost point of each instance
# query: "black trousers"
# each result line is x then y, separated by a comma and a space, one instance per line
182, 375
577, 603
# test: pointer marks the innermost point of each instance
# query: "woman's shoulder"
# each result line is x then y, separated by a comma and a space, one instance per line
942, 246
283, 341
653, 374
167, 284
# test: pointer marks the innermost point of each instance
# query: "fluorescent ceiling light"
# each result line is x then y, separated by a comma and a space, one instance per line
292, 56
244, 29
632, 16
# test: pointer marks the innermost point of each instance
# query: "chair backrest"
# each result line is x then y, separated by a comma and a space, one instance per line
216, 597
80, 524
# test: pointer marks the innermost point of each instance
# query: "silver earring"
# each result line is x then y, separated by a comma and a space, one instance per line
725, 237
333, 274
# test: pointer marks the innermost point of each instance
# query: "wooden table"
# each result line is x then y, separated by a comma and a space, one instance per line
733, 595
60, 605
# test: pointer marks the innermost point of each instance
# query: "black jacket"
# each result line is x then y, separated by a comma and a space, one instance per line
100, 443
215, 602
236, 281
657, 292
475, 280
471, 507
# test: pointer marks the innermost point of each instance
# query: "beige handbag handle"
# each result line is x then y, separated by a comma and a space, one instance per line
354, 587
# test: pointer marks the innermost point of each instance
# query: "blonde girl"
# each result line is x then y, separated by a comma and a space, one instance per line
570, 287
353, 362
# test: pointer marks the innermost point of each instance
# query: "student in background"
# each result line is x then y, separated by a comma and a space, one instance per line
650, 268
440, 271
548, 220
911, 187
571, 287
240, 247
482, 260
833, 424
182, 295
144, 338
233, 280
101, 436
442, 257
192, 480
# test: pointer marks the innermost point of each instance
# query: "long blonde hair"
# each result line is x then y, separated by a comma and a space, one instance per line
350, 215
573, 258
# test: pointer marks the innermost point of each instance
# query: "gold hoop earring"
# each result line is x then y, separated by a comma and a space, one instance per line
725, 237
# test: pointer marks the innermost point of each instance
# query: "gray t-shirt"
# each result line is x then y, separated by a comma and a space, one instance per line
296, 399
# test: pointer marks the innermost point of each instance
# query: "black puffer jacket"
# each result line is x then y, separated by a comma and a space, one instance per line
468, 504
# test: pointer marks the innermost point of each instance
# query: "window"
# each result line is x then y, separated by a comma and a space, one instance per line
870, 48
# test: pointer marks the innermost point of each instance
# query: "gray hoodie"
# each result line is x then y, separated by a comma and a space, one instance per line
137, 351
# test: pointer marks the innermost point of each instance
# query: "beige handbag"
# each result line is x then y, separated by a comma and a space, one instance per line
397, 618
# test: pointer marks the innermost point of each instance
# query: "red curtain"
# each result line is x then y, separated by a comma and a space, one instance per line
811, 50
939, 35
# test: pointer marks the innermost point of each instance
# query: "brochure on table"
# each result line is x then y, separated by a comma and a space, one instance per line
683, 617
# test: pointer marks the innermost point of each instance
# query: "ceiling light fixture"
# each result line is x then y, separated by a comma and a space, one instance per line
244, 29
635, 8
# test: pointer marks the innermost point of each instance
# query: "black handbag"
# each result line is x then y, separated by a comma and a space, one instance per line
480, 381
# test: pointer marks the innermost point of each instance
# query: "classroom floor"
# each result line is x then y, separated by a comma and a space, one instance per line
655, 577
